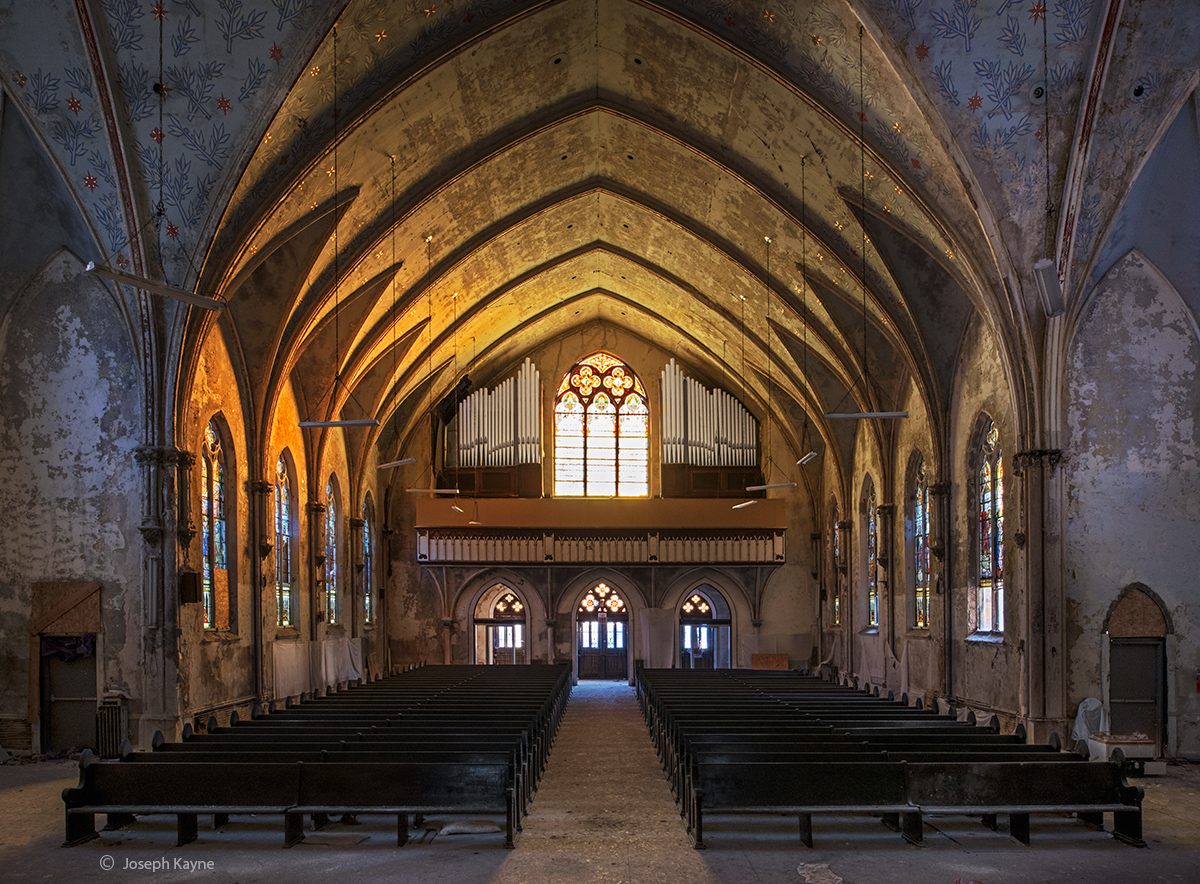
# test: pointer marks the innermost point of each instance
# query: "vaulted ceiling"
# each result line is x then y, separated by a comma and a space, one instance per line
379, 188
593, 161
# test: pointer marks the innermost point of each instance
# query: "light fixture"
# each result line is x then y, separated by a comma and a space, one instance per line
155, 288
356, 422
806, 459
744, 504
396, 463
337, 280
1049, 287
873, 415
770, 391
862, 276
458, 509
431, 490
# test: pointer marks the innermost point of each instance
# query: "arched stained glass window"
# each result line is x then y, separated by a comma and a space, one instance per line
990, 606
368, 561
283, 544
508, 607
872, 526
601, 431
837, 567
212, 495
332, 572
920, 522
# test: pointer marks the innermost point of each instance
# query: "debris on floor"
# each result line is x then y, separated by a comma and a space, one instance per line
818, 873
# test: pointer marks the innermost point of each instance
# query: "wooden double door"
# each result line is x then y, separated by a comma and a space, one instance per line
603, 647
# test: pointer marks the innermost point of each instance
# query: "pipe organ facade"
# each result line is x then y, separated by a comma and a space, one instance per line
704, 427
502, 427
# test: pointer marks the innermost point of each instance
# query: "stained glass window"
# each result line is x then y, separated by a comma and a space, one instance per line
283, 544
601, 431
920, 521
332, 606
368, 562
990, 605
602, 598
837, 567
872, 560
508, 607
212, 494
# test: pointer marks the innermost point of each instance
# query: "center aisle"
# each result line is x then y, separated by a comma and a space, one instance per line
604, 811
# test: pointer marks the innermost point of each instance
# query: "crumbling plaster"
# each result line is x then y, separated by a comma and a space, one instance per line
70, 503
1133, 467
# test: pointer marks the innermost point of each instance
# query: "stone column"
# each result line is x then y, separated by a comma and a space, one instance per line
886, 513
262, 514
316, 545
1039, 540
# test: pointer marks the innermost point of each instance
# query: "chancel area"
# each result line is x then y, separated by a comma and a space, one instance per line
849, 336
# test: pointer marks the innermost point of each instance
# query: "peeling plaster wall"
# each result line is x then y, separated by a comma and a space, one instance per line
216, 665
986, 673
70, 502
870, 651
1133, 469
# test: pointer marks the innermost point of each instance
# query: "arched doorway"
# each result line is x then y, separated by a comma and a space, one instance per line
603, 640
1137, 627
500, 634
704, 630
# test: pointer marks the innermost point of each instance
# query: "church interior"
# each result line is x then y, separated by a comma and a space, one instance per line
850, 336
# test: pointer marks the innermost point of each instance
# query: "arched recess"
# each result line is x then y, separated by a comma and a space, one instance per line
635, 606
481, 590
705, 630
1139, 640
501, 626
732, 603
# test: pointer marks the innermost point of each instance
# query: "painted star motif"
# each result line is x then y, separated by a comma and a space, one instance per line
817, 41
90, 182
1038, 11
159, 11
768, 15
172, 231
379, 37
862, 117
276, 52
922, 51
896, 126
316, 69
283, 160
468, 18
157, 135
122, 261
975, 102
223, 104
430, 11
916, 164
729, 20
74, 104
1040, 134
19, 78
337, 112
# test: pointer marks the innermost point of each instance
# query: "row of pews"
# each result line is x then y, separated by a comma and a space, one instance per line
744, 741
433, 739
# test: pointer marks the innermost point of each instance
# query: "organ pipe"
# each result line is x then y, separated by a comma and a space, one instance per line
704, 427
501, 427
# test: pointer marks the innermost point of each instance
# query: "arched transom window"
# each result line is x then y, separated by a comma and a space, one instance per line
508, 607
602, 598
601, 431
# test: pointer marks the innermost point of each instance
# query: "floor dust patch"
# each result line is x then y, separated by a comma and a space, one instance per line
818, 873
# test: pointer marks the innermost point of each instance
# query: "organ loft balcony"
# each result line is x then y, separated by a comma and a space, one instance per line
638, 531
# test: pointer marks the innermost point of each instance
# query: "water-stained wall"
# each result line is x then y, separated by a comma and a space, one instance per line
1132, 470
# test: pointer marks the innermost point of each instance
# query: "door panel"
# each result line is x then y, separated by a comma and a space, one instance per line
602, 649
1136, 687
68, 703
